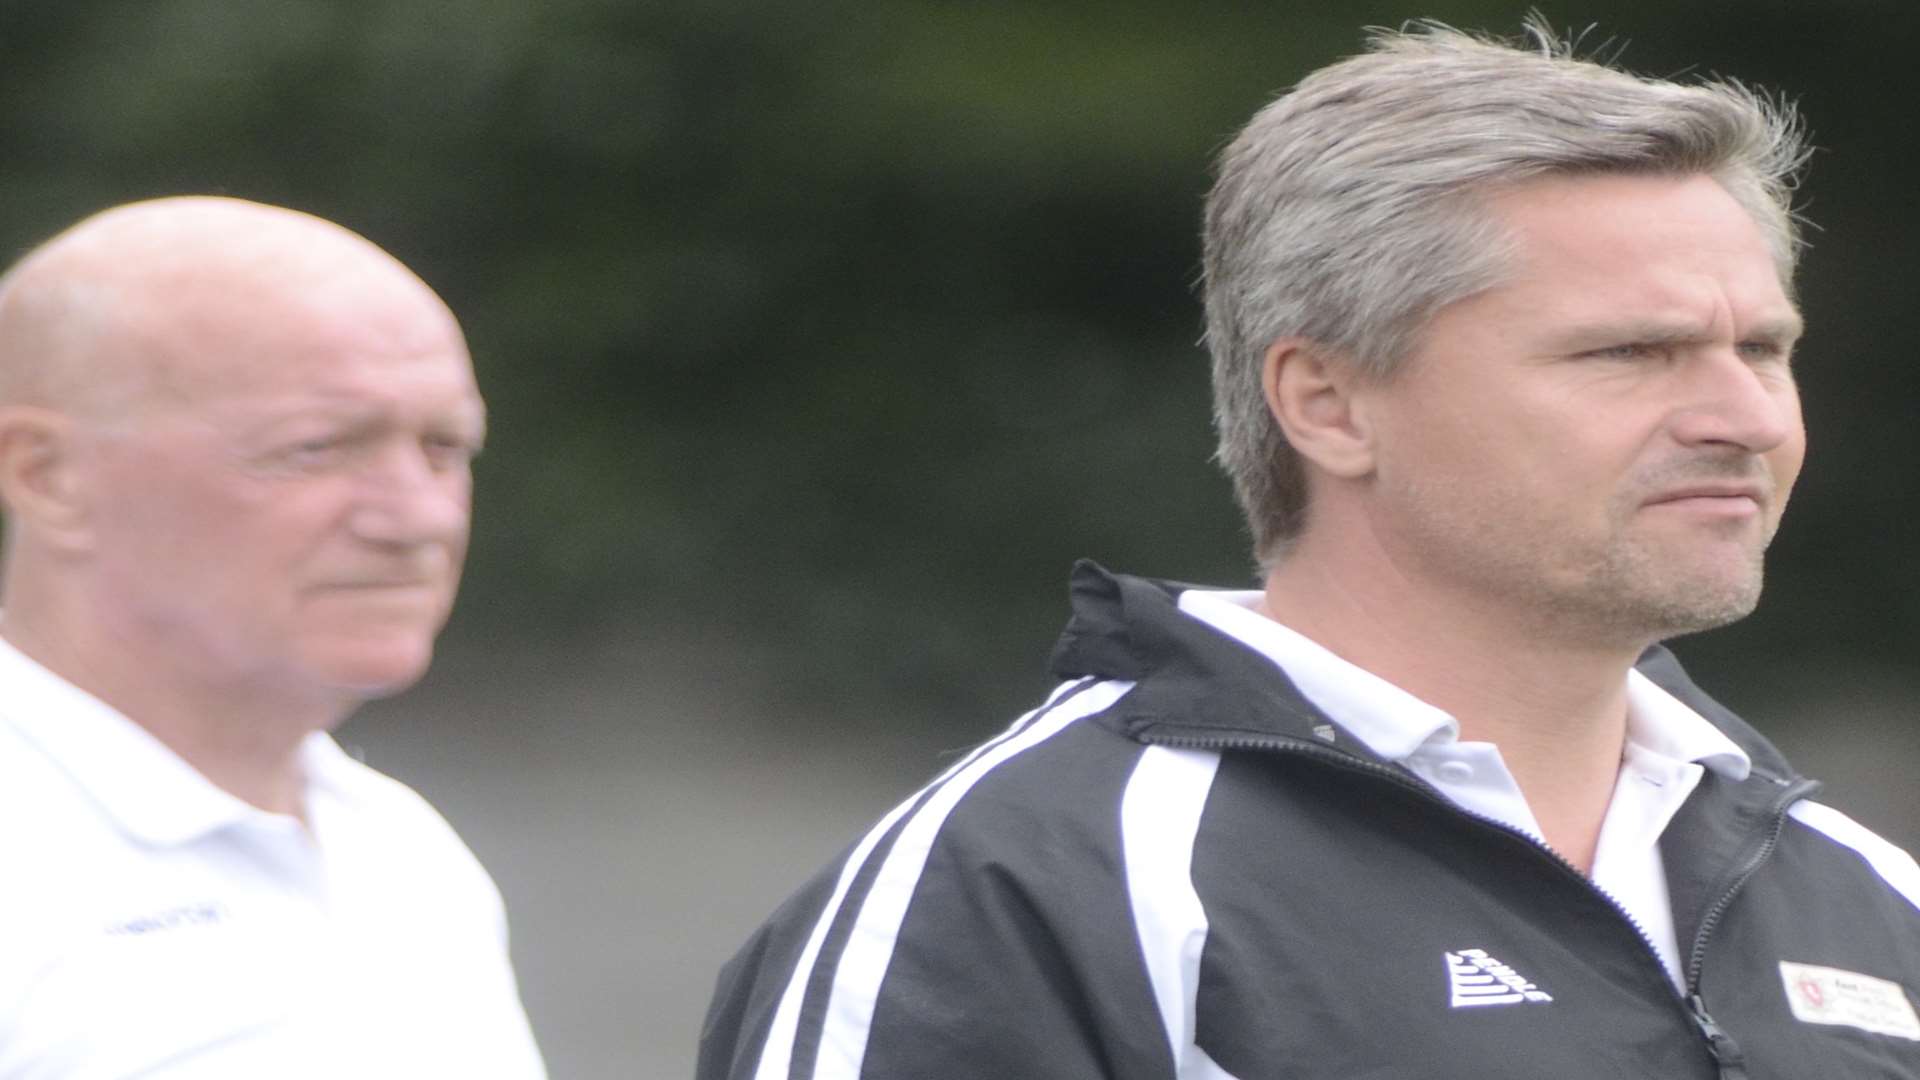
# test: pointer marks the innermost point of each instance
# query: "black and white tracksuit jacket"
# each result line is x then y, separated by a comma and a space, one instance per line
1178, 868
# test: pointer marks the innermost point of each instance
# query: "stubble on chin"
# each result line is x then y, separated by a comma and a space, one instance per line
1661, 585
1625, 583
1634, 594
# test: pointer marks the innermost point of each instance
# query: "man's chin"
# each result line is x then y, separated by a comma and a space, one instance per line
1704, 603
1638, 596
374, 667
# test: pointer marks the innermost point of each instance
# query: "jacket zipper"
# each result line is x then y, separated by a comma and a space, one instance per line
1726, 1053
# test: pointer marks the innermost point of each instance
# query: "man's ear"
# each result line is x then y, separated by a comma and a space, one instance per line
39, 475
1311, 394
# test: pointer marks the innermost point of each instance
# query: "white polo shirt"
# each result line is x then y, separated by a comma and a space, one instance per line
153, 926
1668, 748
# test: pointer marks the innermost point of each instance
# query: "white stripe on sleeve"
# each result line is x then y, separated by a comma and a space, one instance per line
1894, 866
776, 1054
1159, 815
856, 979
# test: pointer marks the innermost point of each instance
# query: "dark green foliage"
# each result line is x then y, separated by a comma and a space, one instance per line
844, 326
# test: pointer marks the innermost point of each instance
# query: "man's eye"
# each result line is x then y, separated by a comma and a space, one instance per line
1623, 352
1763, 350
322, 451
448, 453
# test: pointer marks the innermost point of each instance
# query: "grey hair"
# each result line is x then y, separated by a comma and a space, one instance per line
1349, 210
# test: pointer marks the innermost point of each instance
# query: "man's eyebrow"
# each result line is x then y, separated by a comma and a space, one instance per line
1786, 328
1781, 329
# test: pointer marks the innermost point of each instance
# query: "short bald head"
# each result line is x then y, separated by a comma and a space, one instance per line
234, 445
132, 302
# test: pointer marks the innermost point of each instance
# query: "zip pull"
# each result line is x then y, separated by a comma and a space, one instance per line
1726, 1053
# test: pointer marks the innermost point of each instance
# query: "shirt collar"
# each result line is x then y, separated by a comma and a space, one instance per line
1389, 721
148, 791
1394, 724
1662, 724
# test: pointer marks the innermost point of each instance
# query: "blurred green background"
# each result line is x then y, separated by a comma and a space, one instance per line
820, 338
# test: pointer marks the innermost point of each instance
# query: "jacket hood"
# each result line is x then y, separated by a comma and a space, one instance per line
1193, 682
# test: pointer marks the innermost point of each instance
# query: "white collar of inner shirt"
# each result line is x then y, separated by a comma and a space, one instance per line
1394, 724
150, 792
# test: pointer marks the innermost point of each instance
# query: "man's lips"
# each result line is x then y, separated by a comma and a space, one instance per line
1728, 497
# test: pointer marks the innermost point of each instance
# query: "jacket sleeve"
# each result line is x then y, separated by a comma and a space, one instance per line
751, 985
991, 937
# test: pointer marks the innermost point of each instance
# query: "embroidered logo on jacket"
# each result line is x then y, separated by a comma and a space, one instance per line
1824, 995
1478, 979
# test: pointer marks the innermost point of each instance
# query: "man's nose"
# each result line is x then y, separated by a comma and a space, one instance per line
1732, 401
408, 498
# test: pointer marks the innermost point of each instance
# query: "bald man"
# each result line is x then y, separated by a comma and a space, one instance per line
235, 446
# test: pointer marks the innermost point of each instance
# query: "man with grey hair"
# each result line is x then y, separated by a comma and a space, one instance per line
1501, 344
234, 460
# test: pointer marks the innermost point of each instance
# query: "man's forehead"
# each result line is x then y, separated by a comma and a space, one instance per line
1592, 238
1568, 216
437, 397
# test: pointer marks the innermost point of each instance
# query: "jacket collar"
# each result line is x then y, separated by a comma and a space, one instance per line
1194, 682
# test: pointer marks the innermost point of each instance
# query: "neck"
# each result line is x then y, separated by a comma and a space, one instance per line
246, 741
1556, 707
